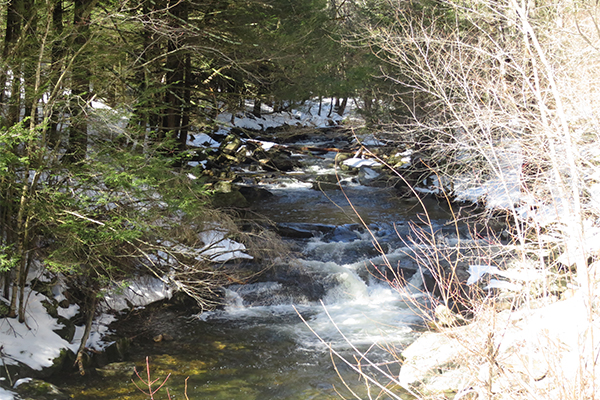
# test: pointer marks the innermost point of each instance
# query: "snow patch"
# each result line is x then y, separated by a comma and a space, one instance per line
218, 248
140, 292
35, 343
355, 162
7, 394
500, 191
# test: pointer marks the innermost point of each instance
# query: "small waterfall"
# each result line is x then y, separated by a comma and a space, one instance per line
367, 310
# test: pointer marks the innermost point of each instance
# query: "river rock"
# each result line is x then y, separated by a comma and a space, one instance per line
36, 389
299, 230
231, 144
68, 329
252, 193
366, 175
345, 233
162, 337
118, 350
325, 186
281, 161
117, 369
228, 196
326, 182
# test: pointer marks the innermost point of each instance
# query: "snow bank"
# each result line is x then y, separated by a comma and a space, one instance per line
306, 115
545, 345
35, 343
502, 190
139, 292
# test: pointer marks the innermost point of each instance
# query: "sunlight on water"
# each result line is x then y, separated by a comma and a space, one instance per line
258, 347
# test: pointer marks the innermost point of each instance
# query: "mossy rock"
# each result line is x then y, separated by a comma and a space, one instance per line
117, 369
43, 287
325, 186
39, 390
64, 361
67, 332
281, 161
228, 200
328, 178
118, 350
399, 160
223, 186
326, 182
231, 144
51, 307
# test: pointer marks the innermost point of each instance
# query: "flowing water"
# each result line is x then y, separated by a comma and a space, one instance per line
258, 346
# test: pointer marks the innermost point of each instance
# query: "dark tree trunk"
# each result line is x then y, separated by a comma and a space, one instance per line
146, 113
331, 108
30, 53
187, 98
14, 16
80, 89
257, 107
14, 103
14, 23
177, 95
340, 106
58, 52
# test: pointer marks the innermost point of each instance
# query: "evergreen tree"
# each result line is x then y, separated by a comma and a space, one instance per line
93, 203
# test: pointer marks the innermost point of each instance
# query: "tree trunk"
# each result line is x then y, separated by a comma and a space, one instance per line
14, 14
257, 107
91, 303
58, 52
29, 51
20, 251
340, 106
187, 98
25, 266
80, 89
331, 108
14, 103
146, 114
176, 96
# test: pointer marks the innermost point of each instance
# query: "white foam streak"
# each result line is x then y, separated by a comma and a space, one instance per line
365, 313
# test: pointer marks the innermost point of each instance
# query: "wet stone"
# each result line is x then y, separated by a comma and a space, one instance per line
121, 369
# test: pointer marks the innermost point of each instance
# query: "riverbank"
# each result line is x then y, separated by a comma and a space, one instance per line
412, 247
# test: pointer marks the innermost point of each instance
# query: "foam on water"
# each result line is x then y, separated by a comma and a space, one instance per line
365, 312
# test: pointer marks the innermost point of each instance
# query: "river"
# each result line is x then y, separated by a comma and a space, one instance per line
258, 347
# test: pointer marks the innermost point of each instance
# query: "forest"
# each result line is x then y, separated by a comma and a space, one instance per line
100, 100
92, 197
